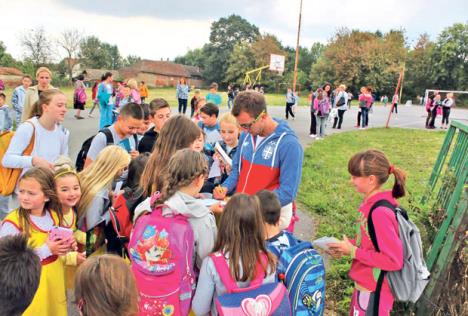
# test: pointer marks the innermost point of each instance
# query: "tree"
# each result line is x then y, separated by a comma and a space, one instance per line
6, 60
240, 61
225, 34
450, 58
196, 57
130, 60
70, 41
100, 55
37, 47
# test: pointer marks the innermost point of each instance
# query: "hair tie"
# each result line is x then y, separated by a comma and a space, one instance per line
155, 197
68, 171
391, 169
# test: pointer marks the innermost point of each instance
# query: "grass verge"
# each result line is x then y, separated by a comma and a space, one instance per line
326, 191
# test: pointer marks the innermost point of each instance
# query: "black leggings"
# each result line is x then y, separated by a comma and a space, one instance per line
395, 108
433, 117
338, 119
289, 109
182, 105
359, 114
445, 115
313, 123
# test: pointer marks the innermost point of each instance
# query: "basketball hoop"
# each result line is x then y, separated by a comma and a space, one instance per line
277, 63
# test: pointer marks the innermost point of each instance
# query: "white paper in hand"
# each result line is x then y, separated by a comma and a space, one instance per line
223, 154
215, 170
323, 242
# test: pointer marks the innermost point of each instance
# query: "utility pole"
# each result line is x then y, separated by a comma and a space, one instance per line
297, 49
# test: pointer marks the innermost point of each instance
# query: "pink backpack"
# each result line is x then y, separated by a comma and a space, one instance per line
161, 251
80, 95
269, 299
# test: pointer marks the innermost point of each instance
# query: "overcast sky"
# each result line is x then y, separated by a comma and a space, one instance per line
155, 29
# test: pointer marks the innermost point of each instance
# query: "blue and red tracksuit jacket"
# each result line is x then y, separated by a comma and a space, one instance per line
275, 164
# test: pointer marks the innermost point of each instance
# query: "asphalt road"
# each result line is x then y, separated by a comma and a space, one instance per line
408, 117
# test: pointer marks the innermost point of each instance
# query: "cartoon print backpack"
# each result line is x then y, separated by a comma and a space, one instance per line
301, 269
80, 95
161, 251
255, 300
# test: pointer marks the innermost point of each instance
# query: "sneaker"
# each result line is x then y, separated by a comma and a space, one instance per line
319, 138
90, 115
312, 135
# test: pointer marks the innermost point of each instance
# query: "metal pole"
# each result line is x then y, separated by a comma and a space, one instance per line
297, 49
396, 92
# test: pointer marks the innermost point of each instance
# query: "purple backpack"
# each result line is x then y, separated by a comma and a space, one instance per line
255, 300
80, 95
161, 251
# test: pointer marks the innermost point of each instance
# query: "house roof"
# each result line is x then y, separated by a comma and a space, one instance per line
10, 71
167, 68
96, 74
193, 71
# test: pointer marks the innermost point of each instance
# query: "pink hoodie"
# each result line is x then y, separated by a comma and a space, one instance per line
367, 262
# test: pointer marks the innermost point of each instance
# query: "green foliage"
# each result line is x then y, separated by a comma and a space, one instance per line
130, 60
240, 61
195, 57
450, 58
358, 59
327, 193
99, 55
225, 34
6, 60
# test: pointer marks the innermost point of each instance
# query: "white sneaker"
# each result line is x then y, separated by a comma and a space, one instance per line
319, 138
312, 135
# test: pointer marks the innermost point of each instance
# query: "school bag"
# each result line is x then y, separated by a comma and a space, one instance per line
81, 157
323, 108
407, 284
9, 176
257, 299
80, 95
301, 269
121, 215
161, 252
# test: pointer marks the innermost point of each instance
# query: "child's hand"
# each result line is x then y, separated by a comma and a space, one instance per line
343, 247
73, 244
219, 192
217, 208
58, 247
134, 154
80, 258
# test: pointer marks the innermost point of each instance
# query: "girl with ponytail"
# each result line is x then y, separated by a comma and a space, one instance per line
370, 170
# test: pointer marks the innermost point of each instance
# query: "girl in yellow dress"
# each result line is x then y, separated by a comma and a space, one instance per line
69, 194
35, 218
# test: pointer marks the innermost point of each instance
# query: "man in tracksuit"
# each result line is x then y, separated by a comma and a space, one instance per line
269, 155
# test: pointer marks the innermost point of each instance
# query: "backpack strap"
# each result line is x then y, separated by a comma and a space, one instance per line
29, 149
228, 281
109, 138
373, 237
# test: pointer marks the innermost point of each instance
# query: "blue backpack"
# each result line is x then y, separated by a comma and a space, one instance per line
301, 269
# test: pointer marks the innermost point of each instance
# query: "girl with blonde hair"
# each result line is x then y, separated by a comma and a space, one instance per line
134, 91
96, 193
43, 77
105, 286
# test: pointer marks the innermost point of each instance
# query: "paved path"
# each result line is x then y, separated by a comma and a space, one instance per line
408, 117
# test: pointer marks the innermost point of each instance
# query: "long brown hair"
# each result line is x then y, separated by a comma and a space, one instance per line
177, 133
104, 285
44, 98
241, 235
374, 162
45, 178
183, 168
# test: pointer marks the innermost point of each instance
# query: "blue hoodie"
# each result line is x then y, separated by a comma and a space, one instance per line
275, 165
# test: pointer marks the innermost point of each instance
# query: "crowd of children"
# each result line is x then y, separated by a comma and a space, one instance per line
188, 253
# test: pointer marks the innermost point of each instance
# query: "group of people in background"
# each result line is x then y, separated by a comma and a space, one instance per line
435, 106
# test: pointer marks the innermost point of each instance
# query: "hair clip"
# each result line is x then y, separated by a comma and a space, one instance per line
391, 169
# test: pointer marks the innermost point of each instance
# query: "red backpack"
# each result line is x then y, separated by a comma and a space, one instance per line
121, 215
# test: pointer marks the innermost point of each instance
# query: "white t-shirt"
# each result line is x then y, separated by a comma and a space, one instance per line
48, 145
100, 142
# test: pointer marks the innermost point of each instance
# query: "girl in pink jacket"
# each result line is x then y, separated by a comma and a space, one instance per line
369, 171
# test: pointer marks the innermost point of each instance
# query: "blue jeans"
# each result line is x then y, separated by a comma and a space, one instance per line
365, 116
230, 102
105, 118
5, 119
322, 124
182, 105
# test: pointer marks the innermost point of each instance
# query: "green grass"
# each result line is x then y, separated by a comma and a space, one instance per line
326, 191
169, 94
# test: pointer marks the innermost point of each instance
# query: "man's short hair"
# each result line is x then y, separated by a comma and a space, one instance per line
251, 102
270, 206
210, 109
20, 271
214, 85
133, 110
157, 104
